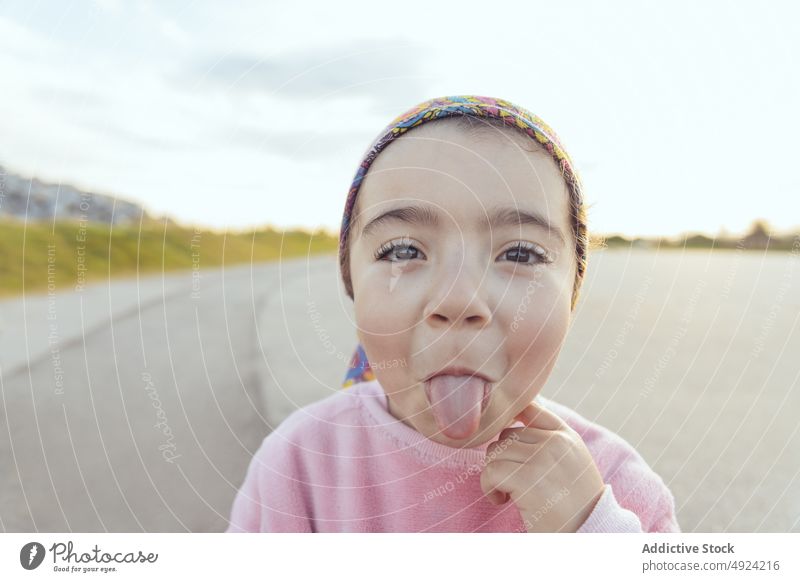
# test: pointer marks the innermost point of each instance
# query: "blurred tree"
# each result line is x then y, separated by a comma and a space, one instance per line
758, 237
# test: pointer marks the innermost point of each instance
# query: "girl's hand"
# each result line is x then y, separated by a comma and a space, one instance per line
546, 470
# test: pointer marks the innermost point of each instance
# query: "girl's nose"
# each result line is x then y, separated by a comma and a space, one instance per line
458, 299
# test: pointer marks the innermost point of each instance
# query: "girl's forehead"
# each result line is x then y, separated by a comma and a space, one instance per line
463, 175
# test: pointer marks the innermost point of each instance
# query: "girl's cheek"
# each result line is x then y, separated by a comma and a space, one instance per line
380, 318
385, 329
388, 300
535, 324
396, 278
388, 352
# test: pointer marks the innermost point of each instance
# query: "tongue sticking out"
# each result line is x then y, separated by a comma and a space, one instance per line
457, 403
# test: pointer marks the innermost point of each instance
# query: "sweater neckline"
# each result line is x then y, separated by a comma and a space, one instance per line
371, 396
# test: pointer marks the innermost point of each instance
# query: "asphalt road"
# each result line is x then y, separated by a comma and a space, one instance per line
147, 419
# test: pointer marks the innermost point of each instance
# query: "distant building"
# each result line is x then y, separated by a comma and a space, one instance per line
33, 200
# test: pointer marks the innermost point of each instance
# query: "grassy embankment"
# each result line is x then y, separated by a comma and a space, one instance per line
71, 252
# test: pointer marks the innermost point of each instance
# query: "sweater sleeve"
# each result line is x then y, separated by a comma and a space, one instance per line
635, 499
272, 497
610, 517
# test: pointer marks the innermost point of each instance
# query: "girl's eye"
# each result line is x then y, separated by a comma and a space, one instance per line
403, 250
527, 254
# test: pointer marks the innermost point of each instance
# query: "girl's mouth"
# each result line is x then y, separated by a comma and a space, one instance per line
458, 402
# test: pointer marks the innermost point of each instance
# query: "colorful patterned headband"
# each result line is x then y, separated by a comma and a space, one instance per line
472, 105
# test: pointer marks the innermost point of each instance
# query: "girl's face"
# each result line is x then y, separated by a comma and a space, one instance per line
461, 254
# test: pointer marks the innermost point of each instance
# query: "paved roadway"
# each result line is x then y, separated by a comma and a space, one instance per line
146, 420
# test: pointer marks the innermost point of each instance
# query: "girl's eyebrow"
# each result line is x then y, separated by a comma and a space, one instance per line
497, 217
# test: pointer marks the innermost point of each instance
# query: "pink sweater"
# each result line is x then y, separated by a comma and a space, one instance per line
345, 464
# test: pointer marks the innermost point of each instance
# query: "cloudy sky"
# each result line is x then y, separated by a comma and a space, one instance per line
681, 116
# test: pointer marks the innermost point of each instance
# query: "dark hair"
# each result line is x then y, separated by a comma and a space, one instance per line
577, 209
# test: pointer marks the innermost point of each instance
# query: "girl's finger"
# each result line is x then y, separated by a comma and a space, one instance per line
536, 416
524, 434
511, 450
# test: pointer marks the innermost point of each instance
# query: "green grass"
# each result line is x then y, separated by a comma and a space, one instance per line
120, 251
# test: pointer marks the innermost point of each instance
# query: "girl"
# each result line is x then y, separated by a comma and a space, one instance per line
463, 247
